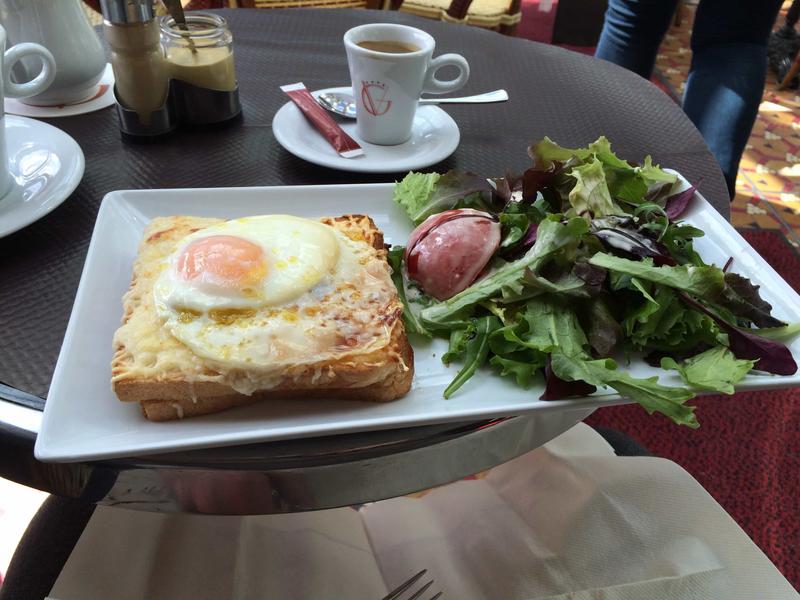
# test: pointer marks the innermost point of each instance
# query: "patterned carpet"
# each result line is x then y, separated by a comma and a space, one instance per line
768, 185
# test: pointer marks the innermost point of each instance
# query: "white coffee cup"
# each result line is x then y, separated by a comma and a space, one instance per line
63, 28
387, 85
8, 88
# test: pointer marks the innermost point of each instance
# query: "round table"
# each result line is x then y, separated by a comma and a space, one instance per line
570, 97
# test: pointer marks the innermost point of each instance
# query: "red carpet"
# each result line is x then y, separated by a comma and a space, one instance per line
747, 450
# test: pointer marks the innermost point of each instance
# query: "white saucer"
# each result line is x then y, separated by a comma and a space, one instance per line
102, 97
435, 136
46, 164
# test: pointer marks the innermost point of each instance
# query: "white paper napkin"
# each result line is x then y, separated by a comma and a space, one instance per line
569, 521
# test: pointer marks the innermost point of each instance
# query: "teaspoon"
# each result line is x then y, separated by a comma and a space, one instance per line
343, 104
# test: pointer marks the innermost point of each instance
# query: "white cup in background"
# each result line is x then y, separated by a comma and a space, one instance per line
387, 85
8, 88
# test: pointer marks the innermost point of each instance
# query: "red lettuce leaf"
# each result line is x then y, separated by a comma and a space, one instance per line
629, 243
677, 203
772, 356
530, 236
742, 298
534, 180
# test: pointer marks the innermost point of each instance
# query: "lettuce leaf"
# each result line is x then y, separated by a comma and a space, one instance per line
552, 237
633, 184
423, 195
414, 191
590, 194
654, 397
717, 370
703, 281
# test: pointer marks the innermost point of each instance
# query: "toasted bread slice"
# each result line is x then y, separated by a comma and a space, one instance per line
153, 368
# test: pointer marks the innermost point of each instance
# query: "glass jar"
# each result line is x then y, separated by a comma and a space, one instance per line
140, 71
203, 56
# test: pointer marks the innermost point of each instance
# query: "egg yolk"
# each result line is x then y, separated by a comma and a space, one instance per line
230, 261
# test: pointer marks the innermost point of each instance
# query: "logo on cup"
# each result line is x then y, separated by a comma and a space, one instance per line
373, 97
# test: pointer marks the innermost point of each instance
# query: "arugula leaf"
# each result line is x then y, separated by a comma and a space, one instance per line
459, 336
716, 369
590, 194
410, 318
553, 236
524, 372
532, 285
703, 281
414, 191
552, 325
654, 397
678, 240
475, 353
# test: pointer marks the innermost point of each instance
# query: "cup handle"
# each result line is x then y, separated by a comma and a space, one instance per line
433, 85
36, 85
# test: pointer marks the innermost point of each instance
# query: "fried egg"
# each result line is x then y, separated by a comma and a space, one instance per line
248, 263
269, 291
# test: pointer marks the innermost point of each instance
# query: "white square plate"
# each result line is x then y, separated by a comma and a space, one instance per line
83, 420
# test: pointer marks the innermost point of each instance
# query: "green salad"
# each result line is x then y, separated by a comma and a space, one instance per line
592, 266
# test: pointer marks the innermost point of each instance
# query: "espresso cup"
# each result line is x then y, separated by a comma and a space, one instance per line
19, 90
387, 85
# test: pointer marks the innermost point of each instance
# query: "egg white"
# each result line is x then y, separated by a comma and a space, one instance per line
297, 252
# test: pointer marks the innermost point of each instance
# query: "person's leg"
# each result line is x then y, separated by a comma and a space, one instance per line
726, 79
632, 33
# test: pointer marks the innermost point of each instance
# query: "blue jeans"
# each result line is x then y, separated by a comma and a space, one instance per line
728, 70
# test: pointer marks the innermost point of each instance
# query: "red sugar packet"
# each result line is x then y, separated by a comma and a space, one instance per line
346, 146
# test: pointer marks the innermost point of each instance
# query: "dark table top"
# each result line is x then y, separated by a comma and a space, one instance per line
567, 96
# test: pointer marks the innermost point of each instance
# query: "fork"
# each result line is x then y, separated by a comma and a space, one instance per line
398, 592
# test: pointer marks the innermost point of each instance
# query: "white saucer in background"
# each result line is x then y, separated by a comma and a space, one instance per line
435, 136
46, 165
103, 97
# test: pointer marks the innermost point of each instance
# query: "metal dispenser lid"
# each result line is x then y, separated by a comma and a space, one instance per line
128, 11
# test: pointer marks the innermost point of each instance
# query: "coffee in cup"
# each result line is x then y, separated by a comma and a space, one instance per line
390, 66
389, 46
